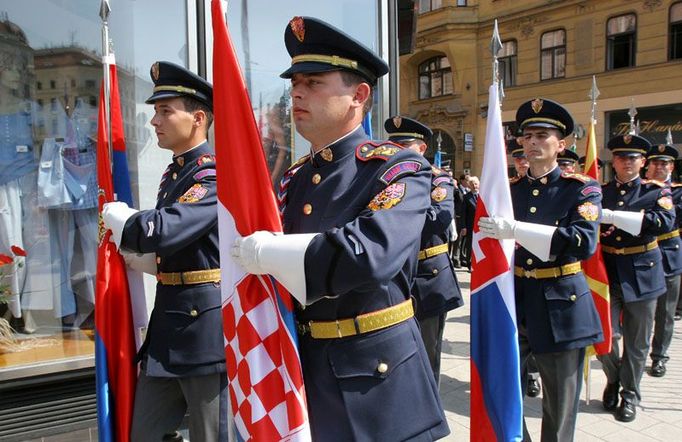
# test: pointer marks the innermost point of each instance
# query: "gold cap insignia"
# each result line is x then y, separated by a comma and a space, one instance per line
661, 148
327, 154
397, 121
536, 105
627, 139
155, 71
298, 28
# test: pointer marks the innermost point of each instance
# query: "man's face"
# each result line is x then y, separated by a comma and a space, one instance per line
321, 103
627, 166
541, 144
567, 166
660, 169
474, 184
174, 125
415, 145
521, 165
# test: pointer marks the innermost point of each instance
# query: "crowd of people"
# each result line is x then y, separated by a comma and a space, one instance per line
372, 236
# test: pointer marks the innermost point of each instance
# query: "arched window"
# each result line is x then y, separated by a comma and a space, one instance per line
676, 31
435, 78
553, 54
621, 33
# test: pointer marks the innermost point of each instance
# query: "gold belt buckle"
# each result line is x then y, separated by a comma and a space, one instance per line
338, 329
529, 273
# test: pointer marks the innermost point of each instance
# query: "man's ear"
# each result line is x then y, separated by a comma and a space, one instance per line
422, 148
199, 118
362, 93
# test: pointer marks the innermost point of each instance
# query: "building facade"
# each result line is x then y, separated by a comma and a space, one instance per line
551, 49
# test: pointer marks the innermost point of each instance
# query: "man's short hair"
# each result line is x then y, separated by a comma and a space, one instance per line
192, 105
351, 79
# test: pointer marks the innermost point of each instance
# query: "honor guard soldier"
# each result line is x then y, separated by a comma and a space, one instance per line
183, 356
661, 161
435, 290
635, 212
556, 226
519, 158
353, 212
567, 160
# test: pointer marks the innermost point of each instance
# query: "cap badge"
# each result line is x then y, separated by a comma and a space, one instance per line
627, 139
397, 121
298, 28
155, 71
536, 105
661, 148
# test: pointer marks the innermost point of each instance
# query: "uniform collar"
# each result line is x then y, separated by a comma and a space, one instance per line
192, 154
340, 148
550, 176
633, 182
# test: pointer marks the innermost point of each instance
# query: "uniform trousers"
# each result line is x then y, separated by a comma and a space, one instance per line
664, 321
562, 377
161, 403
531, 370
635, 329
432, 334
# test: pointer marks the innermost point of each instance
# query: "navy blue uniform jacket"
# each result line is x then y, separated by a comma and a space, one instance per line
369, 202
185, 334
559, 313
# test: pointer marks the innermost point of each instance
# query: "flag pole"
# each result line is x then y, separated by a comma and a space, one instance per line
104, 12
495, 46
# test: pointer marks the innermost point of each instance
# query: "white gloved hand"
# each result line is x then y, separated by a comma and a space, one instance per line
114, 216
145, 263
282, 256
497, 227
607, 216
631, 222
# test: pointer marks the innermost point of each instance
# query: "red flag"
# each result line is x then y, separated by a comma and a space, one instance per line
263, 367
116, 371
594, 268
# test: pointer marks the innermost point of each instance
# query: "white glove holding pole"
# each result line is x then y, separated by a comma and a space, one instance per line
115, 216
282, 256
536, 238
631, 222
145, 263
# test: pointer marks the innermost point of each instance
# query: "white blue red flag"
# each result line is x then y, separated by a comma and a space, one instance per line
267, 396
496, 401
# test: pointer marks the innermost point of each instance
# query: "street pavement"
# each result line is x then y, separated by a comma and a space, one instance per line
659, 415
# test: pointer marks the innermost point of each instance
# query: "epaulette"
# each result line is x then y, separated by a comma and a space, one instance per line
514, 179
206, 159
654, 182
300, 162
376, 151
676, 185
436, 171
576, 176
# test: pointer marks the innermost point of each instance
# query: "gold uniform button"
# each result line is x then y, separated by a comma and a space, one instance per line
307, 209
174, 176
194, 313
573, 298
651, 264
533, 210
622, 192
620, 203
618, 238
382, 367
317, 178
536, 192
529, 261
434, 271
677, 246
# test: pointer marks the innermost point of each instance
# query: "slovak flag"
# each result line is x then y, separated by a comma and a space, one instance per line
496, 400
264, 371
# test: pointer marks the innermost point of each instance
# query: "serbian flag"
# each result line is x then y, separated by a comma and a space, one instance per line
116, 371
267, 396
496, 401
594, 268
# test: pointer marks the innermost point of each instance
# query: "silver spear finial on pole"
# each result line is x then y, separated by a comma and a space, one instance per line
633, 113
594, 93
495, 46
669, 138
104, 11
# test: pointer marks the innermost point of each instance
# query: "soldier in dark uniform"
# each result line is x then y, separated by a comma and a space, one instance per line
183, 356
635, 212
353, 215
518, 157
661, 161
567, 160
555, 227
435, 290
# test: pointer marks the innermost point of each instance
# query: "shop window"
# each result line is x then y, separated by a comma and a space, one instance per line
429, 5
676, 31
553, 55
621, 33
506, 59
435, 78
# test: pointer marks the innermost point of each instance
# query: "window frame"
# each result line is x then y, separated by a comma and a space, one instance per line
513, 63
610, 39
670, 33
431, 6
553, 50
428, 73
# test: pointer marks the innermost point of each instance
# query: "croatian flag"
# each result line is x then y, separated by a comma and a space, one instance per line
496, 401
115, 349
267, 396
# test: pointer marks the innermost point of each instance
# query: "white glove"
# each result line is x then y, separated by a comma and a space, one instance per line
115, 216
282, 256
631, 222
452, 231
145, 263
536, 238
